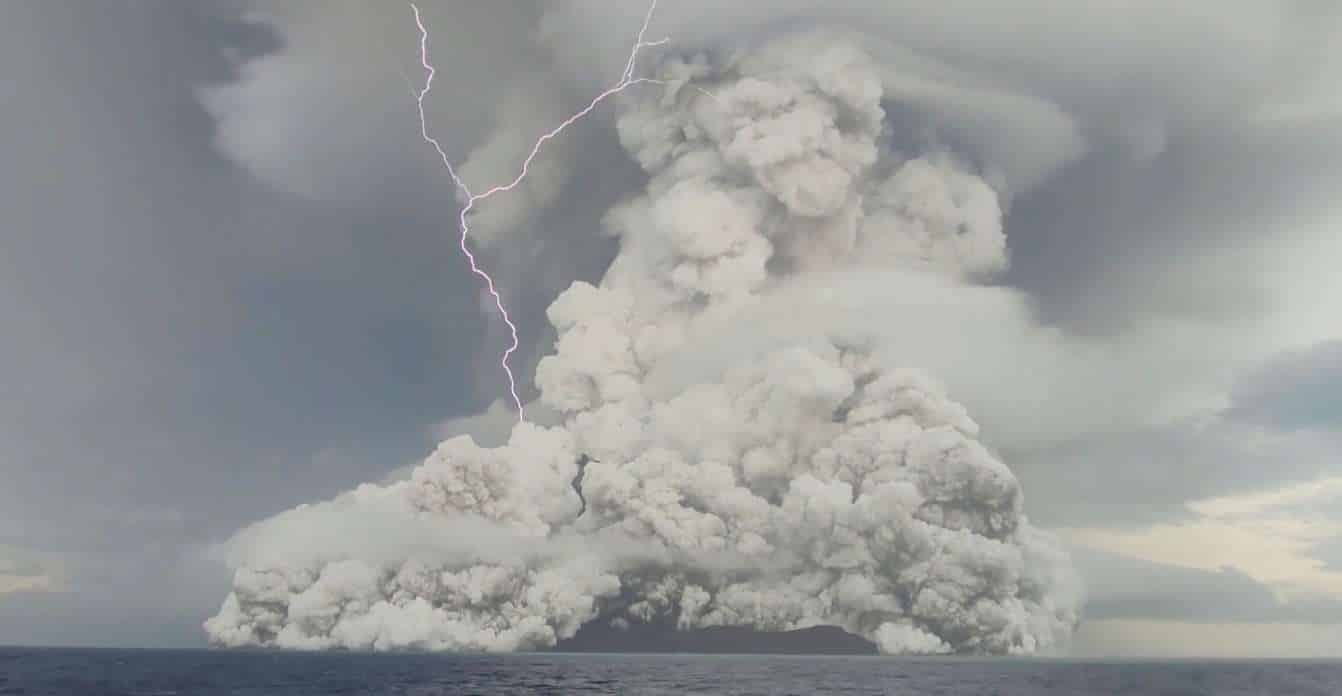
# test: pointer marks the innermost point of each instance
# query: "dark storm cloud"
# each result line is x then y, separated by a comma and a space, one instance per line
1115, 240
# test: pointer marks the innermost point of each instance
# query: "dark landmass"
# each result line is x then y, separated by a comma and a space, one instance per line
725, 640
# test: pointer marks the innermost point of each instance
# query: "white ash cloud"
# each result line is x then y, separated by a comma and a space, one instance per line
806, 484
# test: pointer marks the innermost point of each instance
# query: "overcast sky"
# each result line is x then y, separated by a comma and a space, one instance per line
229, 282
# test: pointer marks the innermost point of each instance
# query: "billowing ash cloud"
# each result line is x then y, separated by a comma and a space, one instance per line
810, 484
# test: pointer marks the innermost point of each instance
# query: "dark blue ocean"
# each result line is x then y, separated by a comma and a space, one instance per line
208, 673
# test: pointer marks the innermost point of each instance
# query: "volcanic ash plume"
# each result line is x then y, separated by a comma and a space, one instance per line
807, 486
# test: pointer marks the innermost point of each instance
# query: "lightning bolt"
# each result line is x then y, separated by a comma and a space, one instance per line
627, 80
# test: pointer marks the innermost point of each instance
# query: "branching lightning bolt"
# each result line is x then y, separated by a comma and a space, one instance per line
627, 80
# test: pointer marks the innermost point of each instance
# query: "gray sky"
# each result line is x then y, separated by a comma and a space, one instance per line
187, 350
229, 284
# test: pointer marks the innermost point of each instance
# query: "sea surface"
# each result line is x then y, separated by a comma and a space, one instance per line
32, 671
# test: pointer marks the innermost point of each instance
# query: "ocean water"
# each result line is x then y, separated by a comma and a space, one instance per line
208, 673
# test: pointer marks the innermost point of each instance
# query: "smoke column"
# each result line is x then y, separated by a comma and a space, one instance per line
807, 482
